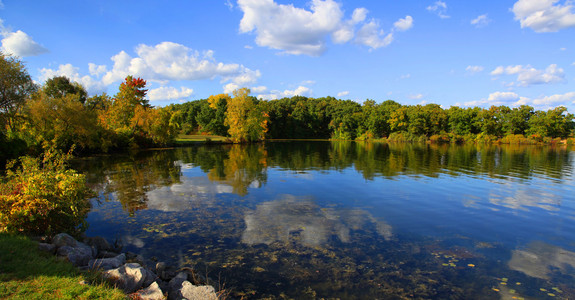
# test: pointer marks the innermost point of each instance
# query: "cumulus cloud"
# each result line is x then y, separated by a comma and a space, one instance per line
342, 94
481, 21
474, 69
527, 75
93, 86
275, 94
544, 15
19, 43
557, 99
513, 99
169, 93
162, 63
298, 31
439, 8
403, 24
503, 97
172, 61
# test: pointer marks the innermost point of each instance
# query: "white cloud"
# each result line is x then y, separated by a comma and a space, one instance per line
512, 99
527, 75
230, 88
481, 21
92, 85
439, 8
275, 94
298, 31
372, 36
19, 43
171, 61
342, 94
474, 69
415, 96
161, 63
258, 89
544, 15
503, 97
405, 76
97, 70
229, 4
557, 99
404, 24
169, 93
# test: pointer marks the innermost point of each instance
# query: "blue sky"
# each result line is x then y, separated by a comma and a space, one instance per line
465, 53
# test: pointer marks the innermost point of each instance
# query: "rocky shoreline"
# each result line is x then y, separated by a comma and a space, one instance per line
128, 271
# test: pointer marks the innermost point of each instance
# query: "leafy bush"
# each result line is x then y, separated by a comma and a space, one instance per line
42, 196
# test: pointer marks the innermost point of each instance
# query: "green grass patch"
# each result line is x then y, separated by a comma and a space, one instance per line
183, 139
28, 273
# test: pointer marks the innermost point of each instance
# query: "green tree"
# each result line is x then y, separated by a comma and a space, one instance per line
60, 86
15, 87
555, 122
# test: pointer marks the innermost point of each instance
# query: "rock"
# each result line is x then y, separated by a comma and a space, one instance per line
64, 239
201, 292
167, 273
160, 267
79, 256
108, 263
50, 248
153, 292
131, 277
107, 254
180, 288
100, 243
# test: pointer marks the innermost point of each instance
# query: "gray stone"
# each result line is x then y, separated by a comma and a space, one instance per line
50, 248
107, 254
108, 263
64, 239
100, 243
130, 277
79, 256
153, 292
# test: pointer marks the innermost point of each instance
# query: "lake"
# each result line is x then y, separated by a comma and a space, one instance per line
349, 220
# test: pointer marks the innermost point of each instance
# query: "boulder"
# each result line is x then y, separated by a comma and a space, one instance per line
180, 288
100, 243
153, 292
130, 277
79, 256
108, 263
64, 239
50, 248
107, 254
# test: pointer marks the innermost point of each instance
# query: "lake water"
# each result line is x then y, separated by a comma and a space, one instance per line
309, 220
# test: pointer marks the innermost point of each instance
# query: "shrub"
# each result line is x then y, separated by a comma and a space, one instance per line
42, 196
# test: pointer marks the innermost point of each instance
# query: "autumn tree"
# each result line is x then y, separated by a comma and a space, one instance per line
246, 117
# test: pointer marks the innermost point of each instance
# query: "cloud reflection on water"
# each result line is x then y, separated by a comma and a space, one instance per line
292, 219
540, 260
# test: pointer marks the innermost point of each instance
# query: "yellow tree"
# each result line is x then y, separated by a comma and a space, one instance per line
246, 117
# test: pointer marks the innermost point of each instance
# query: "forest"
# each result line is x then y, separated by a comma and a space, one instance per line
59, 113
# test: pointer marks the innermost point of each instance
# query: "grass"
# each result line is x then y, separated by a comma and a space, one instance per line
184, 139
28, 273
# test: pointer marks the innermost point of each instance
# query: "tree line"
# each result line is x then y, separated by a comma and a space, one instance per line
60, 113
301, 117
